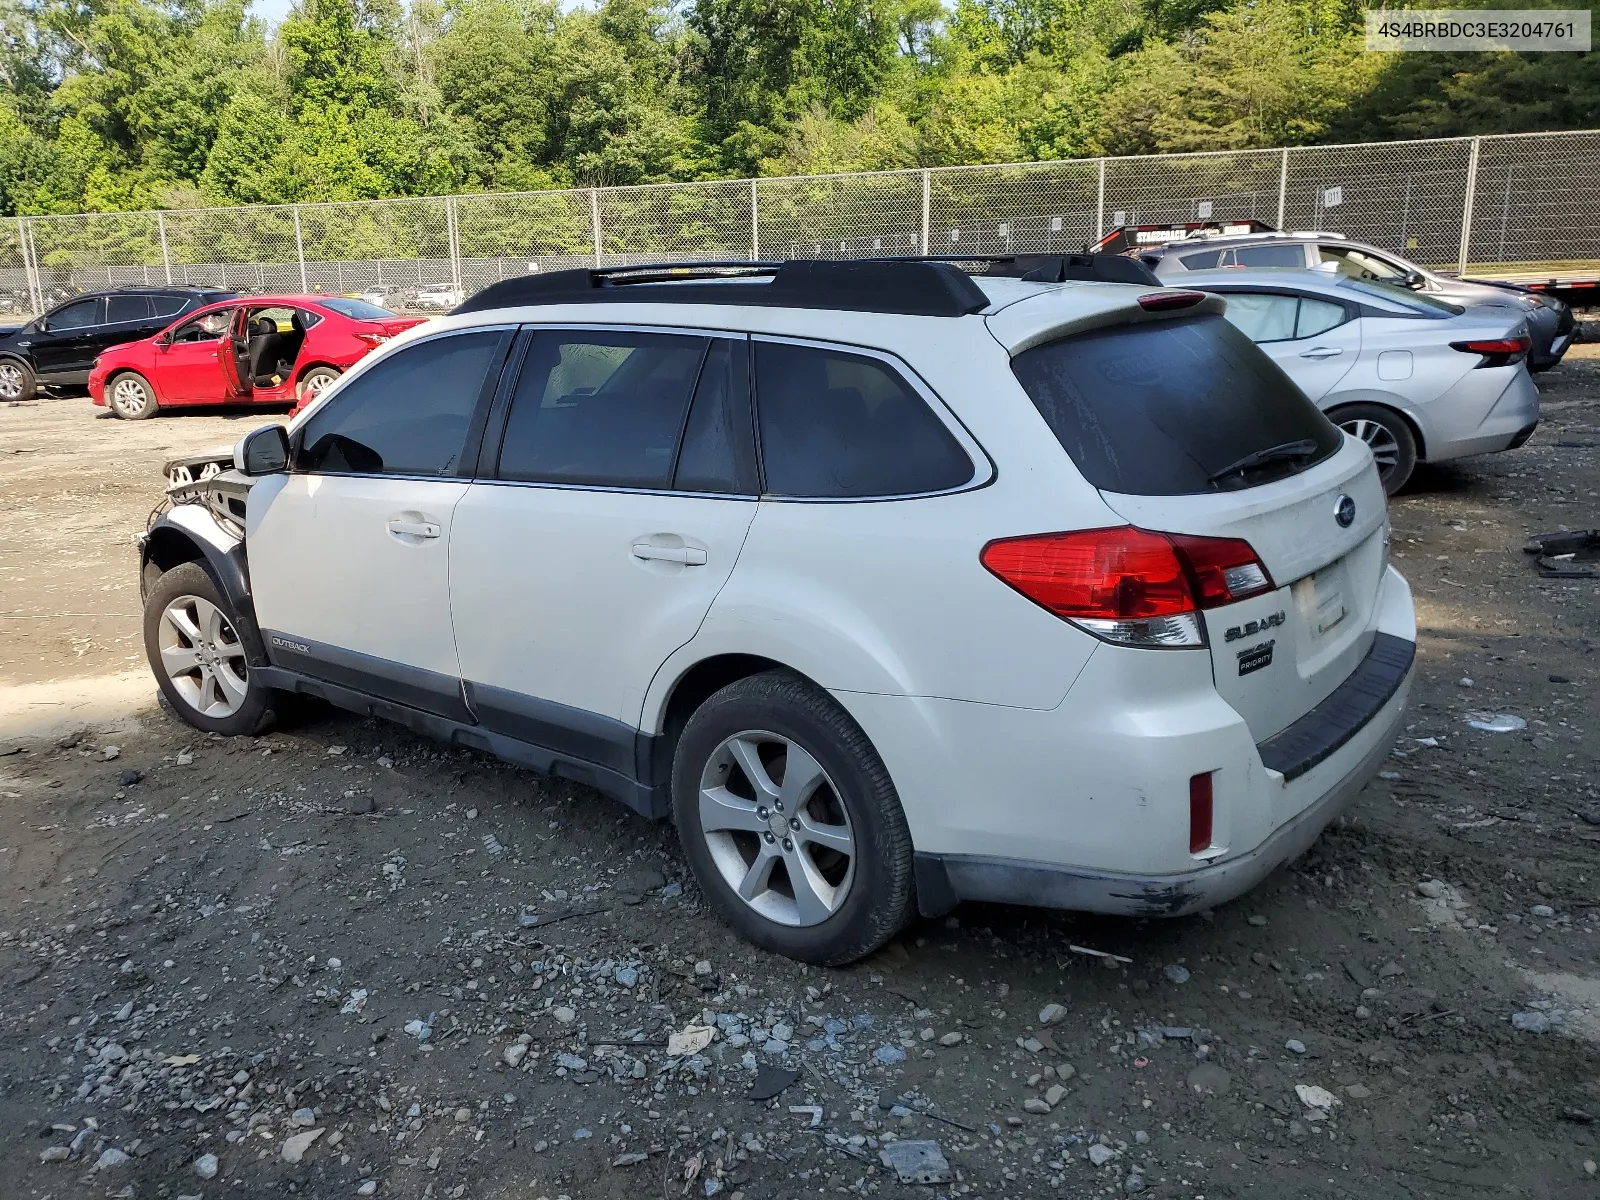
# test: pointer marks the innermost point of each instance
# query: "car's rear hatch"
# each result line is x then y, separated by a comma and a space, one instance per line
1278, 655
1186, 428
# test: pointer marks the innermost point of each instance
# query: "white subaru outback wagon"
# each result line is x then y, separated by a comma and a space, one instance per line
893, 586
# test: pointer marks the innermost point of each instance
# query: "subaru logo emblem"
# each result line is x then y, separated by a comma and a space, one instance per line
1344, 512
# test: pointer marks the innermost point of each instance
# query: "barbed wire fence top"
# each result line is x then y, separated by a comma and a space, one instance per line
1509, 202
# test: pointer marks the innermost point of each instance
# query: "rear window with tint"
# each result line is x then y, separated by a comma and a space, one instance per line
1164, 408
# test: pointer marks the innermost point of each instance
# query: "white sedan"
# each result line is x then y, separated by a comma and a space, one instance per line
1415, 377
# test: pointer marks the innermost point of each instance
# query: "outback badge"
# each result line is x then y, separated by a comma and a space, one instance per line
1344, 512
1257, 657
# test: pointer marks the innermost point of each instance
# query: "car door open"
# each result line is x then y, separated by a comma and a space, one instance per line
608, 520
350, 548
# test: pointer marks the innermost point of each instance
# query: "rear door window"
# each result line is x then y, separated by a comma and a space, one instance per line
168, 305
718, 451
1277, 317
837, 425
1282, 255
121, 308
1262, 316
600, 407
1166, 408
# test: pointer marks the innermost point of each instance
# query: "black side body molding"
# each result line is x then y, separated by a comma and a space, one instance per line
563, 742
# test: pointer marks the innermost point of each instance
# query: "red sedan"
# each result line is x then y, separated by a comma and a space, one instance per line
251, 349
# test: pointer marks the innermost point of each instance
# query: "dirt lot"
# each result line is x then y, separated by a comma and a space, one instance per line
215, 952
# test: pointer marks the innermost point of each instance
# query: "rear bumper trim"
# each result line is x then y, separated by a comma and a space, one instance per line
1315, 736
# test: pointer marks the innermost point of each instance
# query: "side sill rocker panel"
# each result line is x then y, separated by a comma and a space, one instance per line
646, 799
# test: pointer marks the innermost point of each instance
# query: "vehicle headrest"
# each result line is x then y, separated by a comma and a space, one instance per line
266, 325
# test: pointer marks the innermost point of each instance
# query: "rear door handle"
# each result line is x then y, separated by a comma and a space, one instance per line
421, 529
1321, 352
689, 556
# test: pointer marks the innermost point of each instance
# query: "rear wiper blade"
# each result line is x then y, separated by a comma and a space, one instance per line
1303, 448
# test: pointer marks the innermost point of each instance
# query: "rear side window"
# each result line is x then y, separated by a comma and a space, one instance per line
836, 425
408, 415
1290, 255
1166, 408
600, 407
1203, 261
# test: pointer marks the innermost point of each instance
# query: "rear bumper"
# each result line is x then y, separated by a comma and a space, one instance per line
1457, 430
1086, 806
1366, 711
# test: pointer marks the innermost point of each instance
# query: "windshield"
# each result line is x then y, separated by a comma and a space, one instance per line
1415, 301
360, 310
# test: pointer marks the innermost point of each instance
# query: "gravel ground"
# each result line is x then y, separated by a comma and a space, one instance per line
339, 960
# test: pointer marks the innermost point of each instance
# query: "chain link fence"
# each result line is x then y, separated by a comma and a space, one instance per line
1516, 202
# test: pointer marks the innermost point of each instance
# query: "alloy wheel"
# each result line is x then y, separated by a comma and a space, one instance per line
317, 383
776, 828
1383, 444
203, 657
10, 381
127, 395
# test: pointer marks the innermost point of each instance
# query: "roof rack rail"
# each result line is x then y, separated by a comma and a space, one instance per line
909, 287
1060, 268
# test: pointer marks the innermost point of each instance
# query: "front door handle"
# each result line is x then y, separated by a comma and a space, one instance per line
1321, 352
419, 529
689, 556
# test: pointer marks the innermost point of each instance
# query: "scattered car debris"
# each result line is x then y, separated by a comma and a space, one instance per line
916, 1162
1495, 722
1569, 554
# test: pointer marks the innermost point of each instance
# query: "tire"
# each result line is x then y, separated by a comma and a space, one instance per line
1387, 435
218, 693
131, 397
17, 382
313, 383
858, 862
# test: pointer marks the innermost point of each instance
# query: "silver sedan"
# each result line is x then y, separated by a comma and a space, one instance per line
1415, 377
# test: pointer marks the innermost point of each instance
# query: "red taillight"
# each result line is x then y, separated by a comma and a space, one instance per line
1199, 812
373, 339
1109, 574
1164, 301
1225, 569
1129, 585
1515, 345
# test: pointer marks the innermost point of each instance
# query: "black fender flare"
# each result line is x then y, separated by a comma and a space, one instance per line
189, 533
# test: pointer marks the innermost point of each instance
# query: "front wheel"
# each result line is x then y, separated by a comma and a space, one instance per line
1388, 437
16, 381
315, 382
790, 821
131, 397
192, 639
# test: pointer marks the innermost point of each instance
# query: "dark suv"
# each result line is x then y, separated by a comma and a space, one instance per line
58, 349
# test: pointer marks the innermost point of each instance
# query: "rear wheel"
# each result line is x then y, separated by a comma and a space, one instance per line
131, 397
1388, 437
316, 381
790, 822
192, 639
16, 380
